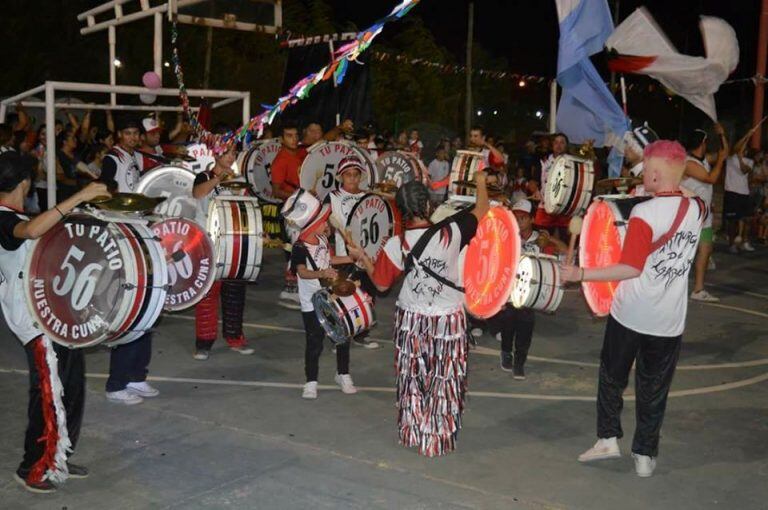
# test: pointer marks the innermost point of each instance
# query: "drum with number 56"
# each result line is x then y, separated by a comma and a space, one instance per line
175, 185
92, 280
371, 223
318, 171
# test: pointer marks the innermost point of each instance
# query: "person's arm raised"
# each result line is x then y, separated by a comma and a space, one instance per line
482, 205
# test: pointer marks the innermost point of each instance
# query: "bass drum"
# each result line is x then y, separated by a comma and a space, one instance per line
343, 318
371, 223
451, 207
189, 257
92, 280
318, 172
234, 224
602, 239
175, 184
569, 186
396, 168
199, 158
537, 283
256, 164
463, 169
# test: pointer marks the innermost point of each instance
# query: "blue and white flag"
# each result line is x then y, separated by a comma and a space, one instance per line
587, 110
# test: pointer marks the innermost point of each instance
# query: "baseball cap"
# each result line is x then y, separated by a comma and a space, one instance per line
150, 124
523, 205
349, 163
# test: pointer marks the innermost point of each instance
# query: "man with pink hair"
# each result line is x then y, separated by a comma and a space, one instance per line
648, 312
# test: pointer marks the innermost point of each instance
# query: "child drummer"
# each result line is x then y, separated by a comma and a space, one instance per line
515, 325
311, 259
349, 173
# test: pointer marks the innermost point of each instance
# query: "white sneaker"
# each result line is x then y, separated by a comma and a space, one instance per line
704, 297
644, 465
345, 381
477, 332
733, 249
310, 390
498, 337
244, 350
747, 247
603, 449
290, 300
201, 355
124, 397
142, 389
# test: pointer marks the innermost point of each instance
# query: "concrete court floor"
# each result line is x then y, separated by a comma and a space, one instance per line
234, 433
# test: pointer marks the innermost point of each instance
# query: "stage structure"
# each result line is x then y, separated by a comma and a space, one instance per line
248, 15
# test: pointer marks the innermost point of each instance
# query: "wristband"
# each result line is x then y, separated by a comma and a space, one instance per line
59, 210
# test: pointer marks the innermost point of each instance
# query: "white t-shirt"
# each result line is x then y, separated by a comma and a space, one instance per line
546, 164
737, 181
13, 254
701, 189
342, 203
656, 302
421, 292
315, 257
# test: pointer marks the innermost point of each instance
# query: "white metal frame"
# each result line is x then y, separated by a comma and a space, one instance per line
52, 87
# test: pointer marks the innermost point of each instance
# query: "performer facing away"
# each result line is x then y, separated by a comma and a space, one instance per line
232, 292
648, 312
430, 333
56, 373
128, 363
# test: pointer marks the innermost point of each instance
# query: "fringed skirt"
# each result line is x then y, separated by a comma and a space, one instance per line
431, 369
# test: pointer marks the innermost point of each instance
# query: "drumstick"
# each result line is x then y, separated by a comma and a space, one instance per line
574, 228
335, 223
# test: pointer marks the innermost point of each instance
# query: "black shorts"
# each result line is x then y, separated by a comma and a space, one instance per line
736, 206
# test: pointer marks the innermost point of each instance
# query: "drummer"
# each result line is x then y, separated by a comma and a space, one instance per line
129, 363
153, 153
556, 224
349, 173
311, 259
515, 325
647, 318
47, 438
232, 292
492, 157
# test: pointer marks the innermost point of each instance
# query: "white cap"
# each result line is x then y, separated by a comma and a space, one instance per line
149, 124
523, 205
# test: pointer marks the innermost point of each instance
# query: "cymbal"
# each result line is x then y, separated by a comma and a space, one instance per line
126, 202
386, 186
619, 182
340, 286
234, 185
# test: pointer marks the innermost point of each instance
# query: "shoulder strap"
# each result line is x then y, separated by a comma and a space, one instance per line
309, 255
682, 210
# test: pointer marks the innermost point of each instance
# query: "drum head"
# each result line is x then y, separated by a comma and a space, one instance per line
371, 223
329, 316
600, 246
80, 281
189, 257
175, 184
203, 158
256, 165
491, 262
521, 292
398, 167
318, 172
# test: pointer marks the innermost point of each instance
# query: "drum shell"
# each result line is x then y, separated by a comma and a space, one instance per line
545, 292
344, 318
569, 186
463, 168
235, 227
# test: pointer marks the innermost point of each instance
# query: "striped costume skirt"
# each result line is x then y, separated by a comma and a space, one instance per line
431, 369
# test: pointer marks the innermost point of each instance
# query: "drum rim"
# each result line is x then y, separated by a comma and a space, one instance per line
322, 299
588, 288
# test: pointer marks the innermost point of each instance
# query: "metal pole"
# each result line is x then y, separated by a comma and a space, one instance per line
208, 49
762, 54
468, 104
246, 108
553, 106
158, 45
50, 142
615, 22
112, 70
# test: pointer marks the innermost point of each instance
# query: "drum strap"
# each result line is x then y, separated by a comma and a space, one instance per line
682, 210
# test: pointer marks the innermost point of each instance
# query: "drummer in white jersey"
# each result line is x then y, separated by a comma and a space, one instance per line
311, 259
128, 363
232, 292
342, 200
430, 332
492, 157
649, 308
51, 430
515, 325
700, 176
557, 224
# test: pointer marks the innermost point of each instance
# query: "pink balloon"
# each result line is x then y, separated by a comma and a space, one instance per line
151, 80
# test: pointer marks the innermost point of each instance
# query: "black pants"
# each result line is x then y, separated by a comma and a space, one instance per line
655, 361
516, 328
71, 368
315, 336
129, 363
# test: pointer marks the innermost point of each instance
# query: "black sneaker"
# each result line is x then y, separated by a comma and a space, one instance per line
507, 361
519, 373
76, 471
44, 487
363, 342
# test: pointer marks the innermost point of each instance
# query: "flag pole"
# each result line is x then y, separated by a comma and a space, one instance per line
468, 103
762, 54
